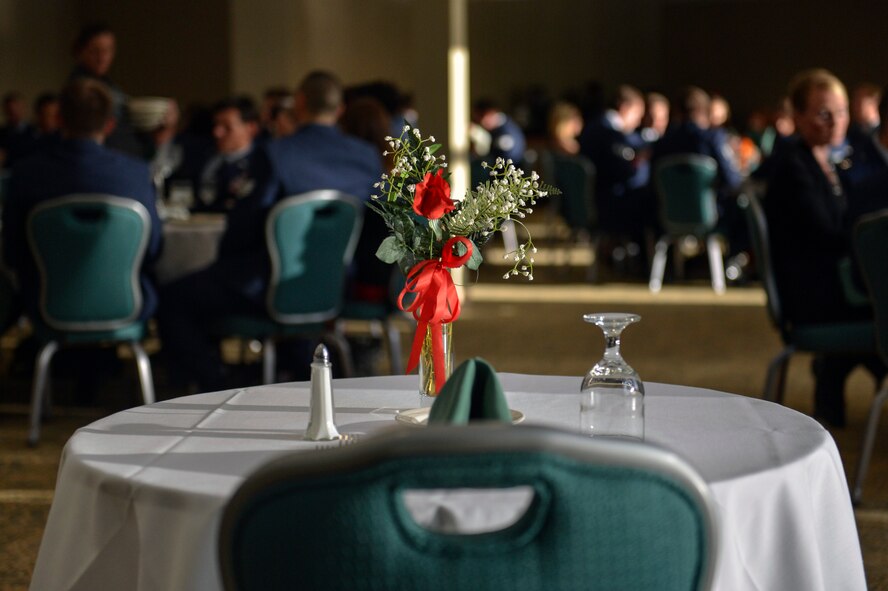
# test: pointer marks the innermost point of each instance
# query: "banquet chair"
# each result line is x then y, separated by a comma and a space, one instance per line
834, 338
575, 177
383, 318
871, 247
597, 514
89, 250
311, 239
687, 208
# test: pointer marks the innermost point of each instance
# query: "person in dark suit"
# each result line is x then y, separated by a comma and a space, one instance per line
317, 156
239, 164
78, 163
692, 133
17, 135
507, 140
94, 50
806, 207
620, 157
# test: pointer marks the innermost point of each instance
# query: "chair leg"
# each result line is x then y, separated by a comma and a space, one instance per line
269, 361
38, 392
716, 264
869, 439
592, 269
776, 373
143, 364
658, 266
345, 357
394, 347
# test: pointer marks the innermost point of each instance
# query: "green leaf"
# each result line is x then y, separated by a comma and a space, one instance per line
475, 259
391, 250
435, 226
434, 148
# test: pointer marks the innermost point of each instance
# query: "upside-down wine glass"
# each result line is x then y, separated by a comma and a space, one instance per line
612, 394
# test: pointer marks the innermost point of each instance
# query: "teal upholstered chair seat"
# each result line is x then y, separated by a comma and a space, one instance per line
687, 208
871, 247
843, 337
603, 515
133, 332
89, 251
833, 338
311, 239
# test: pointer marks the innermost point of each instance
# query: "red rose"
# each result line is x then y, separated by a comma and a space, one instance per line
431, 198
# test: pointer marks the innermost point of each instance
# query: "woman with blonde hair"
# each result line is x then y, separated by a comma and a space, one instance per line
565, 125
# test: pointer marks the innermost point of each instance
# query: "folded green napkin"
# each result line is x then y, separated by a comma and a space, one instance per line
472, 393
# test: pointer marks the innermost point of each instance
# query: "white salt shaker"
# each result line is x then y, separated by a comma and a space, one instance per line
321, 426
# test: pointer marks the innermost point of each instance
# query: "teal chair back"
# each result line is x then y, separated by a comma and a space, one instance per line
871, 248
311, 239
604, 515
9, 305
757, 224
89, 251
575, 176
687, 199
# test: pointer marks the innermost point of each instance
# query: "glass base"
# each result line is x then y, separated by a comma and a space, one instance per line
612, 412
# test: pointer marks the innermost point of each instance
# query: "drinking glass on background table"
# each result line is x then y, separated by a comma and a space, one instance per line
180, 200
612, 394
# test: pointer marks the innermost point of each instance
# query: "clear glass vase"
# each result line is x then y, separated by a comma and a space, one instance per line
612, 394
427, 389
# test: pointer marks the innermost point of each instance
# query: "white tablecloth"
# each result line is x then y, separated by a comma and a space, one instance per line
140, 493
188, 245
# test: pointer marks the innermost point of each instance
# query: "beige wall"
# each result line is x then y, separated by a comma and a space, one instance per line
35, 42
204, 49
277, 42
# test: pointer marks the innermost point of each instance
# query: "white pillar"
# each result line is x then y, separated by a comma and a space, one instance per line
458, 110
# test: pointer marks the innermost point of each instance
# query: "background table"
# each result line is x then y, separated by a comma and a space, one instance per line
140, 493
188, 245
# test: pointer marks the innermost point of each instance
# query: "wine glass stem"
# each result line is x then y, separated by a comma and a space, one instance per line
612, 346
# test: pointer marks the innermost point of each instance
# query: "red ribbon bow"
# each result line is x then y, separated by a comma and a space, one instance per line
436, 302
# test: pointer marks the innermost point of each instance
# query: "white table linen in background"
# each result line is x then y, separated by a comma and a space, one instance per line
188, 245
140, 493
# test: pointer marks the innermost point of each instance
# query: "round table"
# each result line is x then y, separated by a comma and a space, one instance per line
140, 493
188, 245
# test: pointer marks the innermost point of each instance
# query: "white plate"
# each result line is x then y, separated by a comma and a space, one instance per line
420, 416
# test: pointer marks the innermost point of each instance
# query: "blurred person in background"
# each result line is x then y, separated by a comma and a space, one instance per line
78, 163
565, 127
239, 165
865, 117
806, 207
621, 160
506, 137
16, 135
94, 50
656, 117
275, 114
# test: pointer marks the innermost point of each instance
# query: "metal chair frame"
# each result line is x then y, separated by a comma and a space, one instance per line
470, 441
41, 394
661, 249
